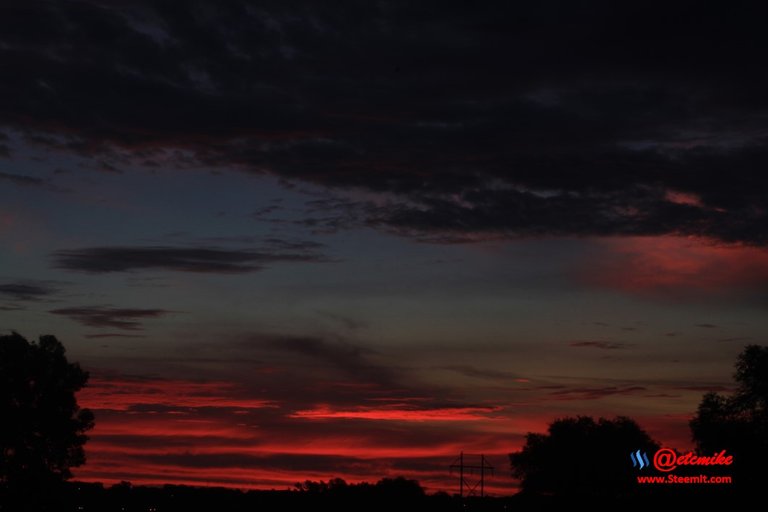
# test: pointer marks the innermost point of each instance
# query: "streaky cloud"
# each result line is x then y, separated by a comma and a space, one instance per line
128, 319
28, 290
212, 260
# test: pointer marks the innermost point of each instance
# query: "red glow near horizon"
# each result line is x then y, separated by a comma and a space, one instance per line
157, 431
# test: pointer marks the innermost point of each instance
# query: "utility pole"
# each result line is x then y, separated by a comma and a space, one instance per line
482, 475
465, 469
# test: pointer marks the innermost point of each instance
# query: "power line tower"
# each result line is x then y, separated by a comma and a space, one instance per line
471, 476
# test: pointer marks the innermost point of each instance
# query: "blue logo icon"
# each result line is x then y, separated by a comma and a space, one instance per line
639, 459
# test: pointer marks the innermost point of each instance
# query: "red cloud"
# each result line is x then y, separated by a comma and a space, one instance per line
156, 431
397, 412
677, 266
684, 198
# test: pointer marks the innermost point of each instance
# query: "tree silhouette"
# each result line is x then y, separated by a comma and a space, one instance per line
400, 489
42, 429
385, 495
582, 457
739, 423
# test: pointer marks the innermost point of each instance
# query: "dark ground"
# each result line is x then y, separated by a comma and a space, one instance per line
83, 497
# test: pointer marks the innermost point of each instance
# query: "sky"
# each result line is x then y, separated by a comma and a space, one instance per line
302, 240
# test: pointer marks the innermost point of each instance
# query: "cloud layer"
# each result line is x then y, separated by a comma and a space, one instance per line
501, 121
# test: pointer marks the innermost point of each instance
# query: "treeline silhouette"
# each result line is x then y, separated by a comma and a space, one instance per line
42, 434
388, 494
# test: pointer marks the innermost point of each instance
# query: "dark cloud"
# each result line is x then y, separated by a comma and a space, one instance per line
351, 359
105, 316
113, 335
350, 324
20, 179
707, 326
183, 259
594, 393
496, 120
328, 377
714, 388
272, 242
735, 339
603, 345
304, 370
281, 461
479, 373
294, 245
28, 290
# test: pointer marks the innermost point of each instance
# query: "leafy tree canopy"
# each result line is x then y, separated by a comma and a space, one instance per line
42, 431
738, 422
582, 456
